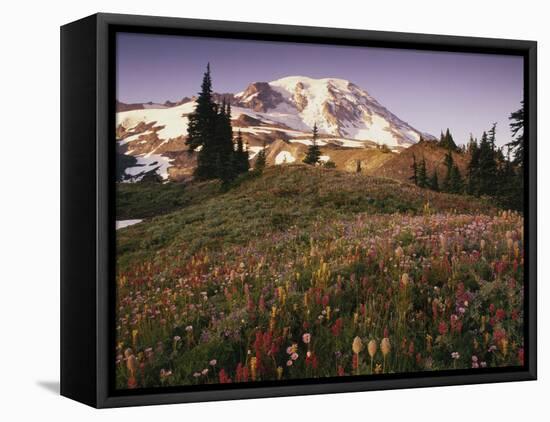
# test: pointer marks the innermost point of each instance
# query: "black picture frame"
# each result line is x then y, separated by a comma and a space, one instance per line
87, 215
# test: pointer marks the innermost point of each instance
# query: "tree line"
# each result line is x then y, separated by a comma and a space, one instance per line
497, 172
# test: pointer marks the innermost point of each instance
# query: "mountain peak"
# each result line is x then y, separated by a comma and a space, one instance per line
338, 107
294, 79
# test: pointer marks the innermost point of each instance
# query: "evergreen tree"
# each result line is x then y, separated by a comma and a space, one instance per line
414, 167
449, 164
455, 184
422, 174
259, 165
508, 191
241, 155
358, 166
313, 152
209, 131
473, 176
447, 141
516, 147
472, 144
487, 167
434, 182
201, 131
517, 123
491, 136
225, 151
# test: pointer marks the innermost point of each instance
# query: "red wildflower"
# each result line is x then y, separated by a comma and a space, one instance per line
500, 267
224, 379
411, 348
459, 290
311, 360
355, 361
251, 305
498, 335
500, 314
442, 328
132, 382
336, 328
239, 373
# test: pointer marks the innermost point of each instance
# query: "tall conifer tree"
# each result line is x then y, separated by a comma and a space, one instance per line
241, 155
517, 128
447, 141
473, 175
434, 181
422, 174
313, 153
259, 165
201, 130
414, 168
487, 167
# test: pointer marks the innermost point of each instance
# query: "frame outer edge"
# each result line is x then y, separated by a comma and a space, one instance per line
532, 189
104, 21
78, 211
103, 223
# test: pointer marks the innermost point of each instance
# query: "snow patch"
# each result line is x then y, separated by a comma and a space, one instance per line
348, 143
253, 151
175, 124
308, 142
147, 163
284, 157
120, 224
253, 130
379, 131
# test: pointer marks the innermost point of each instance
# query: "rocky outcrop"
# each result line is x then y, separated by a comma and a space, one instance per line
259, 96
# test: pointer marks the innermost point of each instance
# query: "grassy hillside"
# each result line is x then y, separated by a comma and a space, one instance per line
283, 197
290, 275
399, 166
150, 199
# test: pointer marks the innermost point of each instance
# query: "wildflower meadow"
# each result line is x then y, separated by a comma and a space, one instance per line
308, 273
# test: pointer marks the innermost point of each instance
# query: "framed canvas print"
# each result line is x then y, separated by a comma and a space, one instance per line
254, 210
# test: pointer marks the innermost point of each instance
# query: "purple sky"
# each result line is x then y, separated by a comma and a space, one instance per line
429, 90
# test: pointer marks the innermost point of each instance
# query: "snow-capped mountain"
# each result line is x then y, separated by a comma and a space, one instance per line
284, 110
339, 107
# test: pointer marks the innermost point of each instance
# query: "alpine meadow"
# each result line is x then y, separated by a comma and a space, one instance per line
298, 228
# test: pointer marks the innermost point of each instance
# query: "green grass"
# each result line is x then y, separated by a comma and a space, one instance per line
202, 215
149, 199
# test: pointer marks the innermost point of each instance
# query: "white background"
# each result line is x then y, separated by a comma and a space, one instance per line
29, 188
